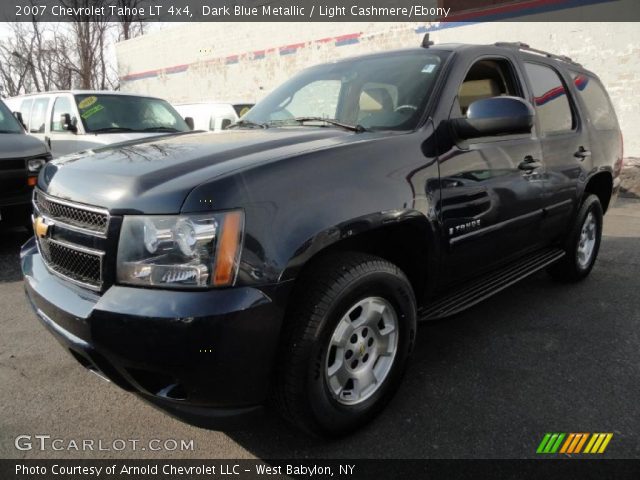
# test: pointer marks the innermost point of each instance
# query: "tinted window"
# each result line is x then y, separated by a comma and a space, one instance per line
8, 124
38, 115
550, 99
596, 101
128, 113
387, 92
62, 106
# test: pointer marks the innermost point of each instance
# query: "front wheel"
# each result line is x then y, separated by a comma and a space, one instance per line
583, 243
345, 344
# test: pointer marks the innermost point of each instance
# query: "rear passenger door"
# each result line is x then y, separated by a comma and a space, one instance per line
565, 141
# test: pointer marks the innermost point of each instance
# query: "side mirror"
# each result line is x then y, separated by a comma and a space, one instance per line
68, 123
495, 116
225, 123
18, 117
189, 122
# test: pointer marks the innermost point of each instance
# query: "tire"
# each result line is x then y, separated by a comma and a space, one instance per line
582, 245
340, 289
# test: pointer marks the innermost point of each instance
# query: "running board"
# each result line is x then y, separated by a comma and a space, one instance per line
479, 289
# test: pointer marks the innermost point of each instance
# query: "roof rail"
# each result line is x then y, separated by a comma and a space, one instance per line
525, 47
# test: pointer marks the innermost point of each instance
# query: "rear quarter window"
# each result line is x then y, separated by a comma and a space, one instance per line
596, 101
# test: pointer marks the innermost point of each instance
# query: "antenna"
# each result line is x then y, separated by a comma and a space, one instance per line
426, 43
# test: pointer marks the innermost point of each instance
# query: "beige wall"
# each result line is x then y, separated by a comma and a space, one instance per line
612, 50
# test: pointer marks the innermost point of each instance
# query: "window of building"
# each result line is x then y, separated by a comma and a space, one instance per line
550, 99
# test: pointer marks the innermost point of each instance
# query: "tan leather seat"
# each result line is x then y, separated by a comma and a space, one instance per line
473, 90
375, 100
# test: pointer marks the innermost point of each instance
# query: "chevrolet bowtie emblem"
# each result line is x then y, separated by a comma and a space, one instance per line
40, 227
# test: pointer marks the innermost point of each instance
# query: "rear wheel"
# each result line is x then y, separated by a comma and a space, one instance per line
345, 344
583, 243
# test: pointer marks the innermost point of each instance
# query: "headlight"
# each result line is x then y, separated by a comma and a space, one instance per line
35, 164
180, 251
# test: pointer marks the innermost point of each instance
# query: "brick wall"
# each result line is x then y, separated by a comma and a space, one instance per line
244, 61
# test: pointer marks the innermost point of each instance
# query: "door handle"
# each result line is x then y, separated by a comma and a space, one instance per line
582, 153
529, 163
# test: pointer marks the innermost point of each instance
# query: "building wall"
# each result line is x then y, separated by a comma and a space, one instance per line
244, 61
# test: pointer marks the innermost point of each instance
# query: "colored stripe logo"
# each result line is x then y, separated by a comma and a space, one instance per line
573, 443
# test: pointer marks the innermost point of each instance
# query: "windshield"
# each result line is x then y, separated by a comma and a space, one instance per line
128, 113
386, 92
8, 124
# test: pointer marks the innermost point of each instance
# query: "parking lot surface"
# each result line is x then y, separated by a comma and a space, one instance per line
488, 383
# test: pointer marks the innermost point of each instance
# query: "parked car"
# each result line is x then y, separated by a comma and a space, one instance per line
21, 158
70, 121
291, 257
213, 116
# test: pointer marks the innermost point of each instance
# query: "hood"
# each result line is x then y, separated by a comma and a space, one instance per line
20, 145
155, 175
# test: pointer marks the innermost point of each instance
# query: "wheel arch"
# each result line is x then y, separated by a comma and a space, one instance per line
601, 185
406, 238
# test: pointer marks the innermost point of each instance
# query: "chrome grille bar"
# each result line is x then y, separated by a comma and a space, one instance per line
75, 216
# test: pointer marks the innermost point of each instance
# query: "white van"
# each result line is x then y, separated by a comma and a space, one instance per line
213, 116
70, 121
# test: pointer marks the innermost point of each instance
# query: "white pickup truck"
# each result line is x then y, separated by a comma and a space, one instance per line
75, 120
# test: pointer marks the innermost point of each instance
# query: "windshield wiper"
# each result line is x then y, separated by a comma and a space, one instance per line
9, 131
160, 129
331, 121
112, 129
247, 123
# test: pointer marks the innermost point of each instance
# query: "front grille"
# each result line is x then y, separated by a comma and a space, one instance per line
83, 217
80, 266
75, 240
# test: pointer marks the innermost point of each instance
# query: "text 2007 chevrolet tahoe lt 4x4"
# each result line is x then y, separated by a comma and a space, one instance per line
291, 257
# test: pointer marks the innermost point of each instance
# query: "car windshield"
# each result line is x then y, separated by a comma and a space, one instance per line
8, 124
385, 92
128, 113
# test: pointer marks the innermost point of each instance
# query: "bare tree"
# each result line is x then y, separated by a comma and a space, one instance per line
42, 57
130, 23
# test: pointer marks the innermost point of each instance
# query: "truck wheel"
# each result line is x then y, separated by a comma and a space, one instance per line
582, 245
346, 342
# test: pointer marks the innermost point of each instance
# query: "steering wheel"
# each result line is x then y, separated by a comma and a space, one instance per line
405, 107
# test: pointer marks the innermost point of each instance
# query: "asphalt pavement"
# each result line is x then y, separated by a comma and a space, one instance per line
488, 383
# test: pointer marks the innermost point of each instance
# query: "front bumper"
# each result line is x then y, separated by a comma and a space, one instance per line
200, 355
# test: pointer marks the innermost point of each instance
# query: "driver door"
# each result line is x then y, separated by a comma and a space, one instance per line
491, 208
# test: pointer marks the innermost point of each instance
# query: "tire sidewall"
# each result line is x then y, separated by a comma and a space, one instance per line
591, 205
332, 416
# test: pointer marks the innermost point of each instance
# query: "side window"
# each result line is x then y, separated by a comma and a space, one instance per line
61, 106
596, 101
39, 115
550, 99
319, 97
485, 79
25, 109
